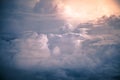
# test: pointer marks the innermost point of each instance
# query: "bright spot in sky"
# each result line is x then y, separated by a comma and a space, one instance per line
85, 10
38, 0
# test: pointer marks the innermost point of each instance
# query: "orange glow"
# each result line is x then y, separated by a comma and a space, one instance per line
85, 10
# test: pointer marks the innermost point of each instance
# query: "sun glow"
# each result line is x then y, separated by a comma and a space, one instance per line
85, 10
70, 12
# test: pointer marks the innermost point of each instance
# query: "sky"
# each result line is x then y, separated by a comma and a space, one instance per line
85, 10
60, 39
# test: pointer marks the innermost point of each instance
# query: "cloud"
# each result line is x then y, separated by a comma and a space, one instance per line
85, 10
56, 51
43, 50
45, 7
59, 49
71, 49
19, 5
31, 48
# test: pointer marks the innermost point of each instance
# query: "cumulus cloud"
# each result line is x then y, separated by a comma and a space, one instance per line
72, 52
72, 48
31, 48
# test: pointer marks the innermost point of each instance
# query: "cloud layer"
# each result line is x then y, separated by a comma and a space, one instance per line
87, 47
36, 44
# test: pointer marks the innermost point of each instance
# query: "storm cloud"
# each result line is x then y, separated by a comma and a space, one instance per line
36, 44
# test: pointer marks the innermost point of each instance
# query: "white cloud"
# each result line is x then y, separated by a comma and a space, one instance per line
68, 27
56, 50
31, 49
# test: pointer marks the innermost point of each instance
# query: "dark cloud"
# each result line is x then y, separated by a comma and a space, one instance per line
118, 2
45, 7
19, 16
18, 5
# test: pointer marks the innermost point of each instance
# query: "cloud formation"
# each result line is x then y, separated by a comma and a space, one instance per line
87, 47
35, 44
85, 10
67, 45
